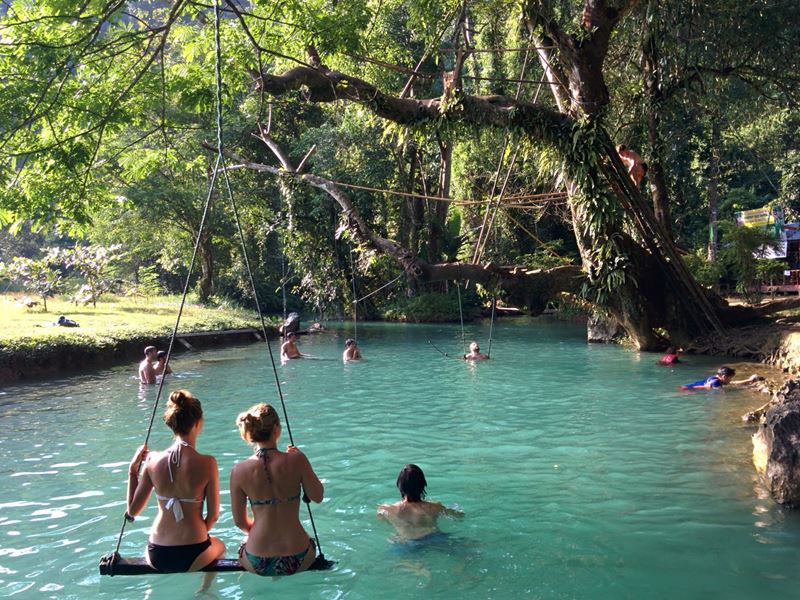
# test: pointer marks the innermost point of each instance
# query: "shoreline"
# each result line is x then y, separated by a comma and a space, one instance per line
66, 357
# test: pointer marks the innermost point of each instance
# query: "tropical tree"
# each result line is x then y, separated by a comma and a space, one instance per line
142, 75
36, 276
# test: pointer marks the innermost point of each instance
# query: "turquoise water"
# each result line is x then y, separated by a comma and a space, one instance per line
582, 471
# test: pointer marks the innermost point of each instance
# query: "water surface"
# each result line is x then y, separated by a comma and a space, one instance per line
582, 471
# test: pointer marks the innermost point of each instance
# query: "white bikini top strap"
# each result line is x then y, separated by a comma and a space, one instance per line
174, 457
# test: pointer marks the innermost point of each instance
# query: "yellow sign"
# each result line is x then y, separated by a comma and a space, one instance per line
760, 217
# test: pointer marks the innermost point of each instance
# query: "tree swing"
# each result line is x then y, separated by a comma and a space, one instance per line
113, 564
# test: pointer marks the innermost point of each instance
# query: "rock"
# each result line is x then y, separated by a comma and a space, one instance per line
603, 330
776, 446
291, 324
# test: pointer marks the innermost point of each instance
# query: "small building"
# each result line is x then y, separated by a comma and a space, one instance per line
788, 250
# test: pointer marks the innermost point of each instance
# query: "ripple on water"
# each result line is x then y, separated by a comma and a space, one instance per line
580, 470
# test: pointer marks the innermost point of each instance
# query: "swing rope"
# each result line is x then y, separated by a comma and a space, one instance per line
355, 302
220, 162
245, 255
385, 285
491, 327
461, 314
127, 518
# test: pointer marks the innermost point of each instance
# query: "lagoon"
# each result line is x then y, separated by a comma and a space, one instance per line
582, 471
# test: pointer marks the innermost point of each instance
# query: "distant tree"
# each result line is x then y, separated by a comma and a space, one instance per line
94, 263
36, 276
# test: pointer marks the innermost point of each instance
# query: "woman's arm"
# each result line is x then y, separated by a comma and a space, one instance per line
139, 484
239, 504
212, 494
312, 486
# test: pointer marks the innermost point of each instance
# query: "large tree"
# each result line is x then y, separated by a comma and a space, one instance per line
82, 77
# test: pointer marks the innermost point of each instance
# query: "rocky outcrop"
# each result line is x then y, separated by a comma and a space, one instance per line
603, 330
776, 446
787, 354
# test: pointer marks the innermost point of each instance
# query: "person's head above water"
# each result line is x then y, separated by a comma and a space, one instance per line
183, 412
411, 483
349, 342
473, 347
161, 355
149, 350
290, 335
258, 423
726, 372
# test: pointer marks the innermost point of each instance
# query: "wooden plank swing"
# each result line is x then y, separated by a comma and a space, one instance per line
113, 564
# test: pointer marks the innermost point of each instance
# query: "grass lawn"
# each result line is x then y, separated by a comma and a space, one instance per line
116, 318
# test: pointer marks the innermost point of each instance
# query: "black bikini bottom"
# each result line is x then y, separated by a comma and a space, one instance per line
175, 559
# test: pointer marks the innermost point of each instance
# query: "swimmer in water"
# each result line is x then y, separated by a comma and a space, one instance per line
724, 376
670, 358
147, 373
414, 517
289, 349
351, 350
475, 353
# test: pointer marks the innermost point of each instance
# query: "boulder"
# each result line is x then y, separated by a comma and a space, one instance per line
603, 330
291, 324
776, 446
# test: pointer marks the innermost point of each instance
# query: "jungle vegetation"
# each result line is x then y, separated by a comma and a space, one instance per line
415, 142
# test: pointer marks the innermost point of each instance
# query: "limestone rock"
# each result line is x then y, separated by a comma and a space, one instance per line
603, 330
776, 446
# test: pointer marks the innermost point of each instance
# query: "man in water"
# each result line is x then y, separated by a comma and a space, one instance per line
724, 376
414, 517
475, 353
162, 368
289, 348
147, 373
351, 350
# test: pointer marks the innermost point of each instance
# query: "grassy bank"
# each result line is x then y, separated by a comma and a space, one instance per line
32, 345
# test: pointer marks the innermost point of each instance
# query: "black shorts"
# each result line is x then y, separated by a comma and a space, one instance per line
175, 559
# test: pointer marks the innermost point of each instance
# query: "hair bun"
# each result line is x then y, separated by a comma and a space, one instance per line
179, 397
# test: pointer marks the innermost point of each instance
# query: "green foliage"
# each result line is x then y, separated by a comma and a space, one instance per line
706, 273
769, 271
546, 257
741, 247
435, 307
147, 282
95, 266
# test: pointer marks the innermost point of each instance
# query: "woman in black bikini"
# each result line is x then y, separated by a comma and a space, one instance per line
183, 478
274, 482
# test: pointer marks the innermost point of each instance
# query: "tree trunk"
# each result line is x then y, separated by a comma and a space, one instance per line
654, 88
713, 191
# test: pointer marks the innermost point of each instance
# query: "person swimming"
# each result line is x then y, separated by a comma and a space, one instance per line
351, 350
414, 517
670, 358
289, 349
475, 352
724, 376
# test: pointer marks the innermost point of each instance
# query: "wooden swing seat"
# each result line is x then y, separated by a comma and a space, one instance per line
114, 564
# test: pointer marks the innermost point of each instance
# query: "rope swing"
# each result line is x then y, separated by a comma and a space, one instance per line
491, 327
113, 564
